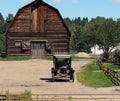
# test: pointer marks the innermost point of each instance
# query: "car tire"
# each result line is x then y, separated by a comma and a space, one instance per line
53, 77
72, 78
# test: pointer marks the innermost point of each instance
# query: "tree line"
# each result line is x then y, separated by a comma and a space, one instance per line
85, 33
3, 29
104, 32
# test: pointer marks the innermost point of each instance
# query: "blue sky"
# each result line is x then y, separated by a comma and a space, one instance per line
70, 8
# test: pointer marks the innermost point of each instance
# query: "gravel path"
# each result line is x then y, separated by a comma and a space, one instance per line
35, 76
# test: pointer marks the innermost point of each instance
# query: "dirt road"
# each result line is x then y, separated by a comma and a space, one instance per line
35, 76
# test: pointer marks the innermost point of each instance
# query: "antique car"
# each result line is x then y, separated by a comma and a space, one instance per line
62, 67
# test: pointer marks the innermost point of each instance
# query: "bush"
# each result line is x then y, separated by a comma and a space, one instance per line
111, 60
8, 96
15, 58
117, 53
26, 96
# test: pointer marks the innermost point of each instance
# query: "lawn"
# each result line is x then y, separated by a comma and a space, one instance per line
20, 58
73, 57
92, 76
15, 58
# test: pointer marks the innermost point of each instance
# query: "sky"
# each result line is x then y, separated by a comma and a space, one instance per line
70, 8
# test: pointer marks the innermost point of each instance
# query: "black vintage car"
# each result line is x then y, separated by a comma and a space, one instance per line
62, 67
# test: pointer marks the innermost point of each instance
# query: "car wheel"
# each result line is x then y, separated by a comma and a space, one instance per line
53, 77
72, 78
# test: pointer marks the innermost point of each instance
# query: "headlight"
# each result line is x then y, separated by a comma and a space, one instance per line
58, 71
68, 71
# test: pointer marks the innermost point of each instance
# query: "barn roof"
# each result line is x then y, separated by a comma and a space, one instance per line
42, 2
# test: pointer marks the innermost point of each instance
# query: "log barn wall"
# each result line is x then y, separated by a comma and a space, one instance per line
37, 22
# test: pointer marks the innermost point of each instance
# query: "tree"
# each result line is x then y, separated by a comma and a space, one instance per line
84, 21
78, 34
2, 33
2, 42
98, 31
2, 24
3, 28
105, 33
118, 28
79, 42
108, 34
9, 18
92, 30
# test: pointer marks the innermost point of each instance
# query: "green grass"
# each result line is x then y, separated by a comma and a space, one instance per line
73, 57
25, 96
16, 58
113, 66
20, 58
93, 77
50, 58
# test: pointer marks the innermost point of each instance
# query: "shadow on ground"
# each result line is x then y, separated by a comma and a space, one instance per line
56, 80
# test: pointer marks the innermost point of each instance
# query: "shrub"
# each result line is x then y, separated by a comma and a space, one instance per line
117, 53
26, 96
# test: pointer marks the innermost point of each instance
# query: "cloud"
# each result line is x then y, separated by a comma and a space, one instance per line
27, 0
75, 1
57, 1
116, 1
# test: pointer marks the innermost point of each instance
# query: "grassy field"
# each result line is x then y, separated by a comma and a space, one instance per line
73, 57
25, 96
16, 58
92, 76
20, 58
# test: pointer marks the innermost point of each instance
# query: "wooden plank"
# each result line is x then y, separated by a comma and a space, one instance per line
41, 18
39, 33
34, 20
38, 22
38, 49
14, 54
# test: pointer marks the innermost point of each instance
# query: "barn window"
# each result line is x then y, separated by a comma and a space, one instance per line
18, 42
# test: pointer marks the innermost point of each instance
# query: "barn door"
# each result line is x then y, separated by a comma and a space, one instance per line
38, 49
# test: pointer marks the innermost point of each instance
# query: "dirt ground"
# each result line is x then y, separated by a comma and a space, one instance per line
35, 76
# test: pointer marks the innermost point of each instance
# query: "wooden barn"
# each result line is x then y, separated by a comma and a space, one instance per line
37, 30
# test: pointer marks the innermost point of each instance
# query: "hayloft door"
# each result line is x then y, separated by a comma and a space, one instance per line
38, 49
